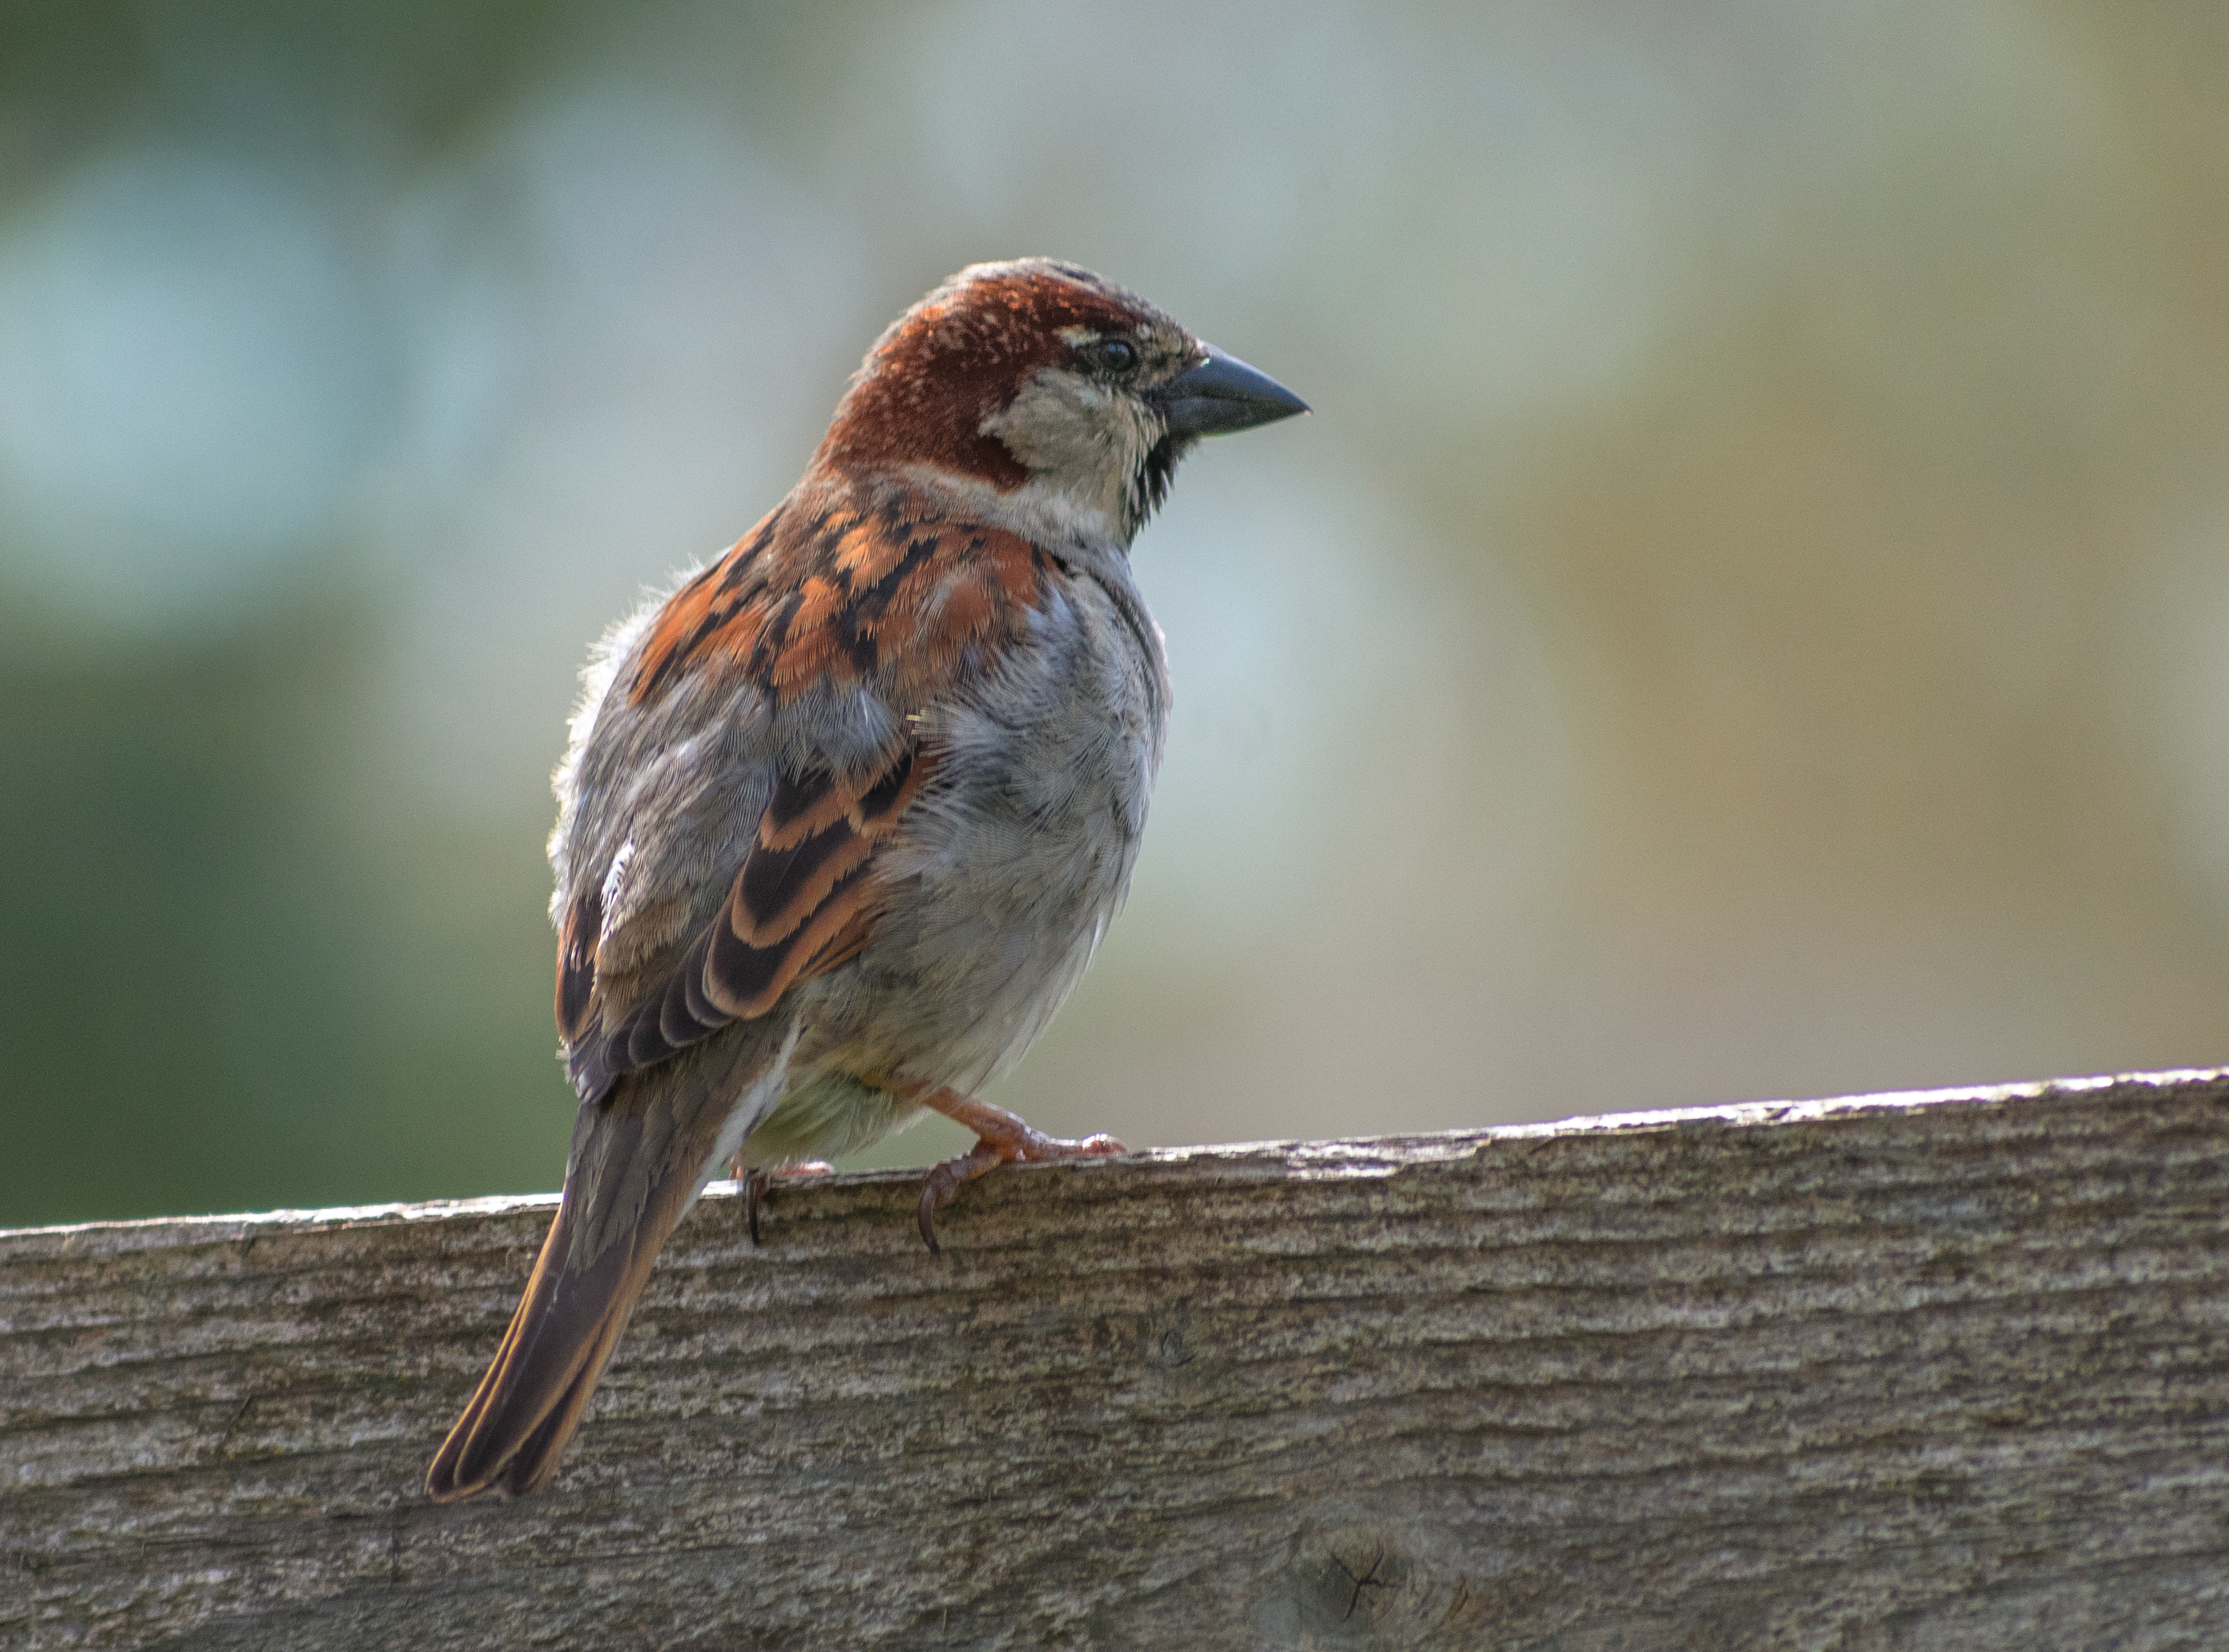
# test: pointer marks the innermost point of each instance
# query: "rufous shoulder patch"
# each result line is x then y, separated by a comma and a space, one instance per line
895, 596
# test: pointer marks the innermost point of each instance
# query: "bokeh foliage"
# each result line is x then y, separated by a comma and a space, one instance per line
1747, 617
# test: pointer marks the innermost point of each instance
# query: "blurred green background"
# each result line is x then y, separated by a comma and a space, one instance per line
1746, 618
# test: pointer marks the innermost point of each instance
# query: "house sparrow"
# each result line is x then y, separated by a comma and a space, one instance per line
845, 815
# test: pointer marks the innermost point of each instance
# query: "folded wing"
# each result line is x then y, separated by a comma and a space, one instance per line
894, 602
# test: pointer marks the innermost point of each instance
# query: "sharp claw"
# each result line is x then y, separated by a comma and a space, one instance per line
753, 1197
1000, 1139
758, 1187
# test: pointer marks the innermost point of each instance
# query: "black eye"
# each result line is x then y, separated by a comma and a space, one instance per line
1112, 355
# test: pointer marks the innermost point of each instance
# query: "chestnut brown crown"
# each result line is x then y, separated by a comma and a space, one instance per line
1039, 376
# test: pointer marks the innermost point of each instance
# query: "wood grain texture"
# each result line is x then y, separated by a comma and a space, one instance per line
1909, 1372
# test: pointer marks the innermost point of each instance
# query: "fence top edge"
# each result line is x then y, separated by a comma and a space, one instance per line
1334, 1159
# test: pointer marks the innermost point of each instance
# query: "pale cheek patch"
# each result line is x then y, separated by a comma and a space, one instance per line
1079, 438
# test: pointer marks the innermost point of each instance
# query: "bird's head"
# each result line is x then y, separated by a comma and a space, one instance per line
1060, 398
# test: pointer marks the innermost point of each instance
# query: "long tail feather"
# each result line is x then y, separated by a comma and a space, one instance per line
640, 1156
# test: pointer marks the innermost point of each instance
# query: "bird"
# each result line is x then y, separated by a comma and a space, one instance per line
844, 816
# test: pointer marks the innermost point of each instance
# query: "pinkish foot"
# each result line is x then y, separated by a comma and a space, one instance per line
1001, 1139
758, 1184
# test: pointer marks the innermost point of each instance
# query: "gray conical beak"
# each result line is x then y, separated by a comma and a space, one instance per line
1222, 395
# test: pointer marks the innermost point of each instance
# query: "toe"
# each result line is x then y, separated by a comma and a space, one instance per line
754, 1189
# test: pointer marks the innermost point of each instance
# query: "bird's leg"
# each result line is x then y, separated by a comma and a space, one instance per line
759, 1183
1000, 1139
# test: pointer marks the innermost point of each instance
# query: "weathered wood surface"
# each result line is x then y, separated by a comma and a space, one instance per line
1911, 1372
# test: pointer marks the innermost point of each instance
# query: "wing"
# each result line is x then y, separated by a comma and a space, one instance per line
827, 635
823, 606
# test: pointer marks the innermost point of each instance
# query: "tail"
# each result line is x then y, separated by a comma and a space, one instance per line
640, 1156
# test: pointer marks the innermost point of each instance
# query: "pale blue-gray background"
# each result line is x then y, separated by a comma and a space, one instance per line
1747, 617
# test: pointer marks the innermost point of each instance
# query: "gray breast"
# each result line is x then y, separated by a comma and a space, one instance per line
1023, 852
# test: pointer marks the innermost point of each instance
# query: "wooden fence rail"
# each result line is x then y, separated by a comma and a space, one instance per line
1926, 1372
